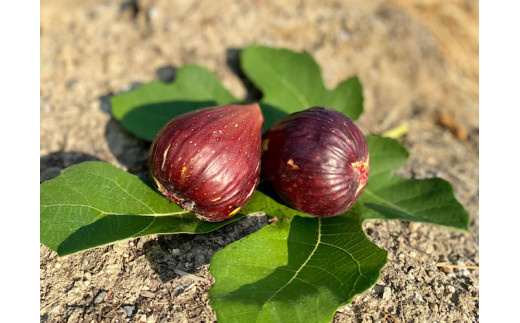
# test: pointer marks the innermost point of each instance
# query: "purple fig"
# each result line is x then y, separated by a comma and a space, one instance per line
208, 160
316, 160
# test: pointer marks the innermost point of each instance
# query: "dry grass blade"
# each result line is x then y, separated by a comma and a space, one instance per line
188, 275
456, 266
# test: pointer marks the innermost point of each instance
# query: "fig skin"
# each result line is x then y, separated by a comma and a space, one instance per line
316, 160
208, 160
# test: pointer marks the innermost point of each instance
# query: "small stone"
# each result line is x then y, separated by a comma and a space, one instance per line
413, 226
175, 252
104, 103
464, 272
418, 296
446, 269
166, 74
100, 297
129, 309
147, 294
152, 13
379, 289
387, 292
434, 307
347, 309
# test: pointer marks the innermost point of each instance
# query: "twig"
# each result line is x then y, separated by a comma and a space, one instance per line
194, 277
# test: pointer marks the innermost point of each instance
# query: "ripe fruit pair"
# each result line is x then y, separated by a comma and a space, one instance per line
209, 160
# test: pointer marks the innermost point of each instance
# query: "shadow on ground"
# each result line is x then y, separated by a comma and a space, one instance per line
52, 164
170, 255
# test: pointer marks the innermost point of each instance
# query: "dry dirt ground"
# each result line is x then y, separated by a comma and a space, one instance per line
418, 63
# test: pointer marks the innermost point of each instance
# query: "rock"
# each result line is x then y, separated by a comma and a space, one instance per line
418, 296
100, 297
148, 294
165, 74
378, 289
129, 309
387, 293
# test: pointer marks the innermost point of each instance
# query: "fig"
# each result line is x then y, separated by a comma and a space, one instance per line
208, 160
316, 160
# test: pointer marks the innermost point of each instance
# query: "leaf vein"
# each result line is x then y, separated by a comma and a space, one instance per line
299, 269
351, 256
287, 84
125, 191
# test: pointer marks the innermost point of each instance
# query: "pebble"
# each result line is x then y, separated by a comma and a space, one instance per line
166, 74
378, 289
464, 272
446, 270
100, 297
152, 13
413, 226
147, 294
387, 293
129, 309
418, 296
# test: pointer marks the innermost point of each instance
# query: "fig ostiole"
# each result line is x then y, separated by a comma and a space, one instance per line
316, 160
208, 160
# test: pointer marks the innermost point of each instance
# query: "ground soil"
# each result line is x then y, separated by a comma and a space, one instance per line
418, 63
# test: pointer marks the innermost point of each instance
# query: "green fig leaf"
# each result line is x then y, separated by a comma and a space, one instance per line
145, 110
391, 197
94, 203
297, 270
292, 81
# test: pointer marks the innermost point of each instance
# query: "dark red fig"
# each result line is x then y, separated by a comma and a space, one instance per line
208, 160
316, 160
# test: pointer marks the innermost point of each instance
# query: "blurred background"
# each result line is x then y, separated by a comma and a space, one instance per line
411, 56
